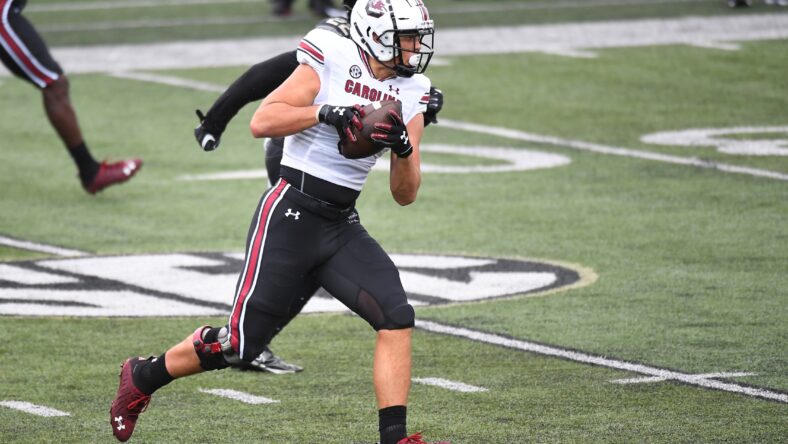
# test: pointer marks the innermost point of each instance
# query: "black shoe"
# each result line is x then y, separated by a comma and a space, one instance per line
269, 362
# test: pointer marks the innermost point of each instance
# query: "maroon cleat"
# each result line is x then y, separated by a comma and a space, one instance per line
128, 403
113, 173
416, 439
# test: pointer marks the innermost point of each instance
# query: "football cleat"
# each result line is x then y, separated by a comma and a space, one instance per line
417, 439
128, 404
269, 362
113, 173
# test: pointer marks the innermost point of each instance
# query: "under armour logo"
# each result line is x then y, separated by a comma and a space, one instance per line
128, 168
290, 213
394, 90
119, 420
404, 138
339, 110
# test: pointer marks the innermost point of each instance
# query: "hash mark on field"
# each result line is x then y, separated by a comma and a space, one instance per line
700, 376
586, 358
239, 396
450, 385
33, 409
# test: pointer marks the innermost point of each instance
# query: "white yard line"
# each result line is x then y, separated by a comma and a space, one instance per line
33, 409
42, 248
454, 9
721, 375
476, 128
603, 149
450, 385
239, 396
227, 175
601, 361
169, 80
149, 23
570, 39
126, 4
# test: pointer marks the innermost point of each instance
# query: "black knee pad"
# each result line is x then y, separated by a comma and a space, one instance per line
211, 344
400, 317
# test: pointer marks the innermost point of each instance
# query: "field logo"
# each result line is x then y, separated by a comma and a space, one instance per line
203, 284
746, 141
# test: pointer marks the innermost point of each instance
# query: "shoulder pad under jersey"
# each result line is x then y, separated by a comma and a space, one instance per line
337, 25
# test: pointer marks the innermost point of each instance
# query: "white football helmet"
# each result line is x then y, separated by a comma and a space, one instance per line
376, 26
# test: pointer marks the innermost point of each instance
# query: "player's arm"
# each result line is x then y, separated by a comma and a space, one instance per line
289, 108
405, 173
256, 83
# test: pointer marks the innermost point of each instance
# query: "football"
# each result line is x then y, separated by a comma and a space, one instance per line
364, 146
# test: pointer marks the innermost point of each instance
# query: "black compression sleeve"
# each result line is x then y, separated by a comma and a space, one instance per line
253, 85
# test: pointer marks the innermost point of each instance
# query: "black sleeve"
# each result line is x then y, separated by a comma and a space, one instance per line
253, 85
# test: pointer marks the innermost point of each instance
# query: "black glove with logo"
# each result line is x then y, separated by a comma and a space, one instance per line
207, 139
343, 118
434, 106
394, 136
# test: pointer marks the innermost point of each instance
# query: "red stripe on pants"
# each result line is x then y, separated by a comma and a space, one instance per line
252, 268
20, 54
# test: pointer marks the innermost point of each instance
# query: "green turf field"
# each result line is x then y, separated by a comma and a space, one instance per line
684, 266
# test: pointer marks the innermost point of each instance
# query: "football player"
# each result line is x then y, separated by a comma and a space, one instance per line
25, 54
306, 229
254, 85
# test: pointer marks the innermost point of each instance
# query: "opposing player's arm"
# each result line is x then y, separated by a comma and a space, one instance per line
253, 85
405, 173
289, 108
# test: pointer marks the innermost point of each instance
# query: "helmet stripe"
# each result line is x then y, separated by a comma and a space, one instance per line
425, 15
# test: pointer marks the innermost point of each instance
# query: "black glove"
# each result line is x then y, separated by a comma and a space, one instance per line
342, 118
434, 106
394, 136
208, 140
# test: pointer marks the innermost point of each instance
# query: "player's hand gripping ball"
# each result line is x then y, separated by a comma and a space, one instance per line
393, 135
365, 145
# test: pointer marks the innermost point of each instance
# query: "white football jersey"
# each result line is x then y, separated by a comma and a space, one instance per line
345, 79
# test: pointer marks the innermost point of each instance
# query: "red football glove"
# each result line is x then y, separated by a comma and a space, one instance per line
394, 135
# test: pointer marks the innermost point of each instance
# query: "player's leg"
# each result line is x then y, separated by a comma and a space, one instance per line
274, 285
25, 53
208, 348
267, 360
363, 277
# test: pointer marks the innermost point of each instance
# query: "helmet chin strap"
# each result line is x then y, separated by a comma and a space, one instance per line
406, 69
